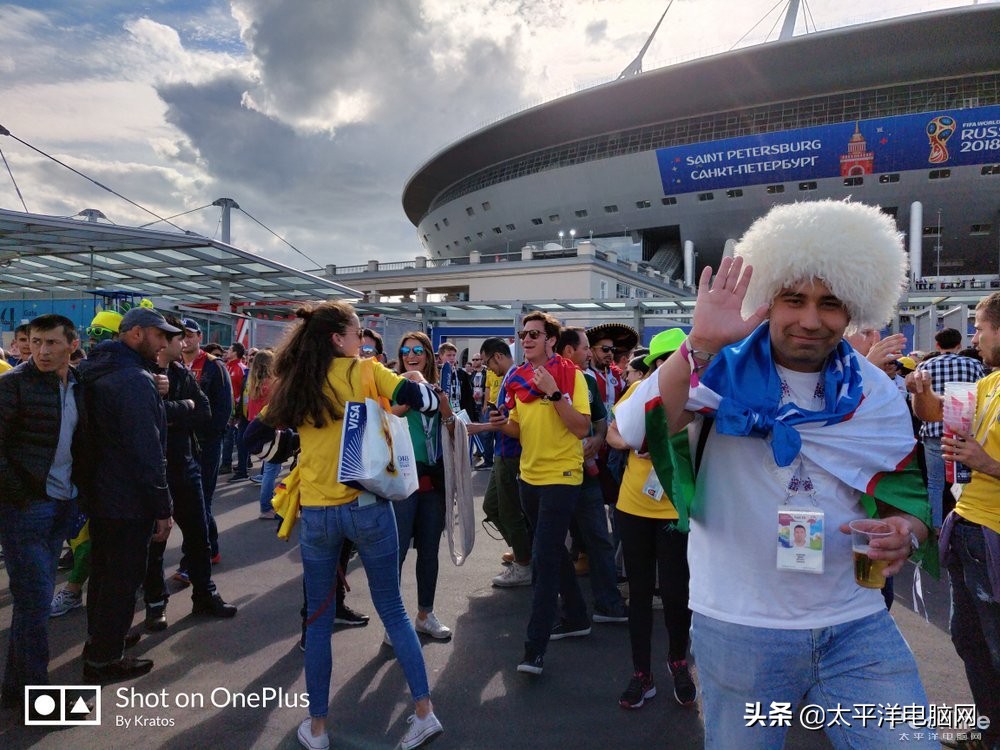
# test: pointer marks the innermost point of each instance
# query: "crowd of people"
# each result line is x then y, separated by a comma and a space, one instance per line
717, 470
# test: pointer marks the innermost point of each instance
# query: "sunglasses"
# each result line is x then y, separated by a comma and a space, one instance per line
368, 349
418, 350
98, 331
534, 335
606, 349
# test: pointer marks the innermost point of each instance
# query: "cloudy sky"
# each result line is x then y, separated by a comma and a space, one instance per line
311, 114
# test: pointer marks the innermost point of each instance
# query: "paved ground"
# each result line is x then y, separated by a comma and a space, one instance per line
480, 698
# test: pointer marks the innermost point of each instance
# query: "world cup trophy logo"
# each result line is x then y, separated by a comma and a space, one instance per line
939, 130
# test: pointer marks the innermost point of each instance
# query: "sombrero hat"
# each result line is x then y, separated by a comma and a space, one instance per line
624, 337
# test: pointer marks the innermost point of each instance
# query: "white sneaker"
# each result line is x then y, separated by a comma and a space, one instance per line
432, 626
514, 574
421, 731
307, 740
64, 601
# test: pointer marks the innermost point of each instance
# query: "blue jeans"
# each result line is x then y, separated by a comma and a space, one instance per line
975, 622
372, 528
487, 439
549, 509
865, 661
420, 519
269, 477
592, 518
935, 479
32, 539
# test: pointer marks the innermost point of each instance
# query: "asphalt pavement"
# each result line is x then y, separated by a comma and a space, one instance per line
238, 683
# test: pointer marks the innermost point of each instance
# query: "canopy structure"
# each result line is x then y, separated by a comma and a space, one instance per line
49, 254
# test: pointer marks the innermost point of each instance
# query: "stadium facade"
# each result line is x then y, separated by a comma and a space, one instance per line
903, 113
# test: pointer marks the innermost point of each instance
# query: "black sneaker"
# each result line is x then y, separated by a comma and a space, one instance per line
640, 689
684, 690
214, 606
566, 630
619, 615
347, 616
531, 664
238, 477
225, 469
116, 671
156, 617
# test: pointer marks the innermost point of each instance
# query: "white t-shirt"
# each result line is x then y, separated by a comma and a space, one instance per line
732, 549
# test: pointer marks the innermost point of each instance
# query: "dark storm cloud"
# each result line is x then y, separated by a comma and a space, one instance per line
352, 177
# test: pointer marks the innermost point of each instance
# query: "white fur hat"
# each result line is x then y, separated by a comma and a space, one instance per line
853, 248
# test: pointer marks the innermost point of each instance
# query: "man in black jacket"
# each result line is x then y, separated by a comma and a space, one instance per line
213, 379
131, 502
41, 462
187, 409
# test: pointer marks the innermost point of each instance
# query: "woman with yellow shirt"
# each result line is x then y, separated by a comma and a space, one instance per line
316, 372
651, 544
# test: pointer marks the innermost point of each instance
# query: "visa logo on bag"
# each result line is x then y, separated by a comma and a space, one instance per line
352, 465
376, 452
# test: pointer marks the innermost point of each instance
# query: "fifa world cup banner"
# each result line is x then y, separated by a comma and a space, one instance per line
931, 140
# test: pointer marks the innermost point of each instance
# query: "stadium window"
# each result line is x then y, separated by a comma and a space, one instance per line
497, 230
643, 204
887, 178
445, 222
581, 214
669, 201
470, 211
807, 185
706, 196
486, 205
426, 238
990, 169
511, 227
554, 218
735, 193
980, 229
437, 227
772, 189
447, 246
479, 235
468, 240
536, 221
932, 231
611, 209
939, 174
854, 181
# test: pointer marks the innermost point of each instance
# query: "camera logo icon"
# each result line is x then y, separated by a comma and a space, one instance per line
62, 705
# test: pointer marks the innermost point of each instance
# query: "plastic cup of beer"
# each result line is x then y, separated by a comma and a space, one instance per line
868, 572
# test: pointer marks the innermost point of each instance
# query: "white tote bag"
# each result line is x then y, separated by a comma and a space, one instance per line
376, 452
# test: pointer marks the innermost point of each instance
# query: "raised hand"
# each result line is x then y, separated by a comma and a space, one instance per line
718, 317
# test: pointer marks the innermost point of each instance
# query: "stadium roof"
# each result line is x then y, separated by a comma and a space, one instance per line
55, 254
898, 50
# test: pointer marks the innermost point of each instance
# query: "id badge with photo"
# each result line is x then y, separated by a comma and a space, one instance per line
652, 487
800, 540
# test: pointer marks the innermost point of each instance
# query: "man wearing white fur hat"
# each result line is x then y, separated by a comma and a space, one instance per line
805, 431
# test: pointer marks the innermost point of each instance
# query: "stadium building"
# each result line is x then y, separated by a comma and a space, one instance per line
675, 163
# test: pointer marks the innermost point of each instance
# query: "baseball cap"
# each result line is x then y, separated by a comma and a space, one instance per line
145, 317
907, 363
190, 324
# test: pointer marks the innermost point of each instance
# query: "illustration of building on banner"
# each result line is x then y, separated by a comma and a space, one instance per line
858, 160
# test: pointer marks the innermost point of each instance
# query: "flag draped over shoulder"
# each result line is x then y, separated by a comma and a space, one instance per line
862, 436
521, 384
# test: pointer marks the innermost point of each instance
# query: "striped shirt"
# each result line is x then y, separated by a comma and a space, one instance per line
948, 368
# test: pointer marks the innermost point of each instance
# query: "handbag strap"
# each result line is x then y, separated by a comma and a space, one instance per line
368, 387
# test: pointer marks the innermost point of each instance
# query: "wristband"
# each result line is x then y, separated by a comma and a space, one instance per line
448, 420
695, 354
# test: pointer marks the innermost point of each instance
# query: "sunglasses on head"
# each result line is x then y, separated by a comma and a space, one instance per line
535, 335
98, 331
418, 350
606, 349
